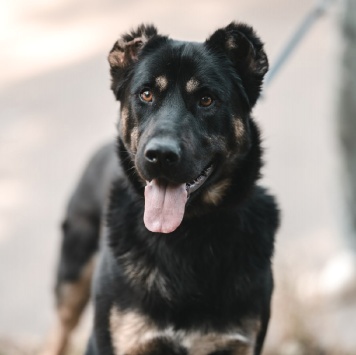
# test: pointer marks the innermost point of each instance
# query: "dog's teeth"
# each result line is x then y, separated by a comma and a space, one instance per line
197, 182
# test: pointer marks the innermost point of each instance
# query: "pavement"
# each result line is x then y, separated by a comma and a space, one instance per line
56, 109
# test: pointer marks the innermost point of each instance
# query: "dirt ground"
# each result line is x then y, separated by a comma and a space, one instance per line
56, 109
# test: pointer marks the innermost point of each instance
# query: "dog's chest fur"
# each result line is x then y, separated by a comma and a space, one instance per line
191, 291
133, 333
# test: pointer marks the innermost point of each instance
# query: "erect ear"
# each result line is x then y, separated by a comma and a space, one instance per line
125, 52
245, 50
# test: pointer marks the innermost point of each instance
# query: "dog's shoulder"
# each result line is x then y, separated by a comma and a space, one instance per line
264, 208
259, 220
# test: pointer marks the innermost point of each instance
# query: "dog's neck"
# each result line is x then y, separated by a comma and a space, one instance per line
247, 171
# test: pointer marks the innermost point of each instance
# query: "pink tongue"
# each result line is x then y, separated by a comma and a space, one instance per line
164, 206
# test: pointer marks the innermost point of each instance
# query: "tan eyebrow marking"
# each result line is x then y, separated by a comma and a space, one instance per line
192, 85
162, 82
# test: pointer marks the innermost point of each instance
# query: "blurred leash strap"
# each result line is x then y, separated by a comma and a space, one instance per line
305, 25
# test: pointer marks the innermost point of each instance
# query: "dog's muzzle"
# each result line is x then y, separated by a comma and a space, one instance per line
166, 192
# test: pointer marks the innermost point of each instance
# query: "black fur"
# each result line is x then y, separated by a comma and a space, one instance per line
212, 273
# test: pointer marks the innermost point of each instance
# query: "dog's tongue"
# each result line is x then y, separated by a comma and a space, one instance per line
164, 206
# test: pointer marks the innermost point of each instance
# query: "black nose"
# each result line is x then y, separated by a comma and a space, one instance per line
162, 151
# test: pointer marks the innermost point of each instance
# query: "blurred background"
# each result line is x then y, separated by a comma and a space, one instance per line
56, 109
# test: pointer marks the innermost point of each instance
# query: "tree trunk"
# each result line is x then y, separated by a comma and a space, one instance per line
347, 111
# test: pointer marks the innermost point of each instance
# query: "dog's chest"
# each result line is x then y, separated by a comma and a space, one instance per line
211, 276
134, 334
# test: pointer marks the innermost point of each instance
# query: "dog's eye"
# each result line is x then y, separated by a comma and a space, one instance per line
206, 101
146, 95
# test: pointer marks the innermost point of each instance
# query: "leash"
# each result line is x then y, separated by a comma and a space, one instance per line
311, 17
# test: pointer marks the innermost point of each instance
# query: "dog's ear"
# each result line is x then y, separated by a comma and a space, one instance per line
125, 52
245, 50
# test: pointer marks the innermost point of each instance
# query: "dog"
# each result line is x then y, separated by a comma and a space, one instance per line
168, 229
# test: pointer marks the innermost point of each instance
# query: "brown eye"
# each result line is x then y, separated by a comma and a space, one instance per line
146, 95
206, 101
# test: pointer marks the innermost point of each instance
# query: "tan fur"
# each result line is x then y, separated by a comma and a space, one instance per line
134, 271
240, 340
116, 58
150, 347
138, 273
162, 83
127, 330
134, 139
134, 334
125, 51
123, 123
239, 129
72, 299
196, 343
230, 43
216, 192
204, 344
192, 85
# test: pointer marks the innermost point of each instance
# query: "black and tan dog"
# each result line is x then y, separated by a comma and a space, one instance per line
185, 256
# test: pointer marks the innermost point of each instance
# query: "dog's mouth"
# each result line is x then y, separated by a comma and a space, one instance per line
199, 181
165, 202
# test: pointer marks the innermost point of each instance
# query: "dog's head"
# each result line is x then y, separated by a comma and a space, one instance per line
185, 131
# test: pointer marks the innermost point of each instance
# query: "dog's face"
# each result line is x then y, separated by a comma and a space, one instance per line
185, 121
